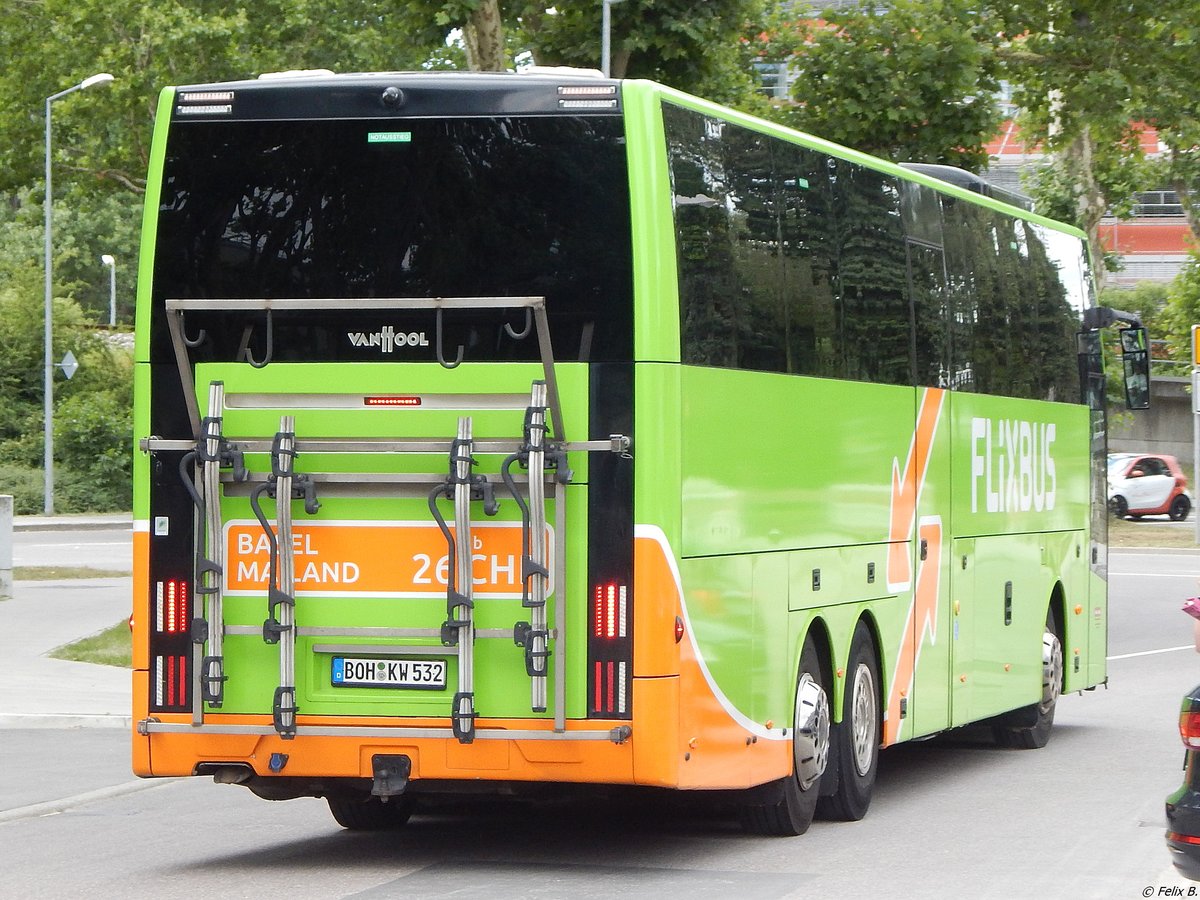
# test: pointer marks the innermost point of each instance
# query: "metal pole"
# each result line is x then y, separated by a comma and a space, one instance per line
47, 339
111, 262
48, 305
1196, 446
606, 38
1196, 424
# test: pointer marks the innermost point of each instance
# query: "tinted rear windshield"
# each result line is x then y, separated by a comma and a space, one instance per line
468, 207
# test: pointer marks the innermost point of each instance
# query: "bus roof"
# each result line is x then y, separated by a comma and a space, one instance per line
320, 94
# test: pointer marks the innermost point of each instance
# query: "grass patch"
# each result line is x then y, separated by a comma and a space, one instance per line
1151, 533
111, 647
58, 573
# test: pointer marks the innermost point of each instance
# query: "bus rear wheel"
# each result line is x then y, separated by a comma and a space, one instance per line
362, 812
1037, 735
855, 750
792, 807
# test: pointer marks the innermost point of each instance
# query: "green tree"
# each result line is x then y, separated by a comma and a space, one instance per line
1182, 309
104, 136
913, 82
692, 45
1085, 74
1171, 107
93, 427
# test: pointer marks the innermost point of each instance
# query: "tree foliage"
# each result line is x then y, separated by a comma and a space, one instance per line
106, 133
689, 44
915, 82
1080, 70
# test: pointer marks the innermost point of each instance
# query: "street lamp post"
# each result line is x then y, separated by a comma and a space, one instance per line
48, 329
108, 260
606, 36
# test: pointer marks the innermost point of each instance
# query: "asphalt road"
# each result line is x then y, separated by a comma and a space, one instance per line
109, 548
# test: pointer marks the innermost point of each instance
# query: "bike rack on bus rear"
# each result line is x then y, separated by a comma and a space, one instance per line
536, 450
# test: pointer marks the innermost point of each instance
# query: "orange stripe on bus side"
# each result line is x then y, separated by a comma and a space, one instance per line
141, 611
713, 750
682, 734
922, 612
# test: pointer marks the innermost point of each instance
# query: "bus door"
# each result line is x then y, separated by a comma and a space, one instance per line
930, 477
390, 540
927, 624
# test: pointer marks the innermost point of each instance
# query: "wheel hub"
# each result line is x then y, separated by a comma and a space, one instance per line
810, 743
864, 724
1052, 671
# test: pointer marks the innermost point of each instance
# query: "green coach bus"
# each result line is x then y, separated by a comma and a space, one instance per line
509, 430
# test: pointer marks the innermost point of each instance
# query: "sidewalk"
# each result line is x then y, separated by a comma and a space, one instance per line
40, 692
73, 522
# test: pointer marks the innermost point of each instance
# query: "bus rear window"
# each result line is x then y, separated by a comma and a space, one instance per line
469, 207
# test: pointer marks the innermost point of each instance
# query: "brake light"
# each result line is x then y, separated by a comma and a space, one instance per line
173, 610
1189, 729
1183, 838
609, 611
610, 650
392, 401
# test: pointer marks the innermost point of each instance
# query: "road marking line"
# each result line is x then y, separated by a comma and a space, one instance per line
53, 807
1150, 652
83, 544
1154, 574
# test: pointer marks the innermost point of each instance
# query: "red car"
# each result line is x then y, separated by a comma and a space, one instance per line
1147, 484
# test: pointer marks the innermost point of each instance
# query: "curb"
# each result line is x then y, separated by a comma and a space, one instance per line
64, 720
69, 525
51, 807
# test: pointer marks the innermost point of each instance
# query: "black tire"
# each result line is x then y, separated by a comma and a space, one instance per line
795, 803
1180, 507
1037, 735
855, 740
362, 812
1118, 506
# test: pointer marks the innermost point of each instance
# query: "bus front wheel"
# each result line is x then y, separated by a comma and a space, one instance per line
855, 751
793, 805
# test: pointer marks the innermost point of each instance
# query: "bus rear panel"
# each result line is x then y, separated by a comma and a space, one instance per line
389, 480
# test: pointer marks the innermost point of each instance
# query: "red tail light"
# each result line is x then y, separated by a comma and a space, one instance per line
170, 644
611, 650
1189, 729
392, 401
173, 611
171, 681
609, 611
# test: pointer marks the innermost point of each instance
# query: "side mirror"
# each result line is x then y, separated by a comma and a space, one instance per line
1135, 358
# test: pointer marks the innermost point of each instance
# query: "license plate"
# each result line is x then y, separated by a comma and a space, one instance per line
418, 674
